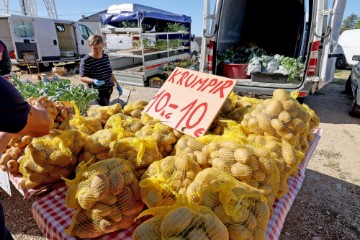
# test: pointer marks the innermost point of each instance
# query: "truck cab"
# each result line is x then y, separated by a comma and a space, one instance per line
307, 29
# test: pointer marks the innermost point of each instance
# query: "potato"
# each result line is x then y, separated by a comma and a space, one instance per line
281, 95
86, 199
199, 233
101, 210
241, 171
59, 158
277, 124
5, 158
148, 230
285, 117
239, 232
242, 155
64, 113
176, 222
26, 139
273, 108
100, 186
13, 166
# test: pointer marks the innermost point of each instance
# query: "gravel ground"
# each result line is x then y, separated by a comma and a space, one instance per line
327, 205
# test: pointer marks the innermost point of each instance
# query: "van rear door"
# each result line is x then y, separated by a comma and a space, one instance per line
332, 19
22, 29
82, 34
48, 43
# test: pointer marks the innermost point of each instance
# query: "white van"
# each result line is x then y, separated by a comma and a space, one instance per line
52, 40
307, 28
348, 46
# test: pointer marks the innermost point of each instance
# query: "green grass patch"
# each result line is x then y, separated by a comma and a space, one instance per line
338, 81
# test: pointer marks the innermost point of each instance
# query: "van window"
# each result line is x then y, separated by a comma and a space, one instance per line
60, 27
23, 28
85, 31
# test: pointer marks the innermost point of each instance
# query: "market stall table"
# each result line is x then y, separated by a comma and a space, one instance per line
28, 193
53, 217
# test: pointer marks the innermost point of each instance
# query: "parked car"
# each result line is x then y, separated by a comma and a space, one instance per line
347, 47
352, 88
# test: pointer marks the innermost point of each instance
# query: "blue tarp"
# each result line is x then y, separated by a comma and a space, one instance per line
116, 18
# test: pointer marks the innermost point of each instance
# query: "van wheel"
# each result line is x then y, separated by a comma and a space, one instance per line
348, 86
354, 110
300, 100
194, 56
46, 66
340, 62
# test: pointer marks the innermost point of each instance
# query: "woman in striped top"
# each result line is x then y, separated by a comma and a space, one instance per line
95, 70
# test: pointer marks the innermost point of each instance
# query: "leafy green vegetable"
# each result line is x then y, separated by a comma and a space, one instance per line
61, 90
240, 54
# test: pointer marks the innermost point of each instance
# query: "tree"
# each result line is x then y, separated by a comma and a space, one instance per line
357, 25
349, 22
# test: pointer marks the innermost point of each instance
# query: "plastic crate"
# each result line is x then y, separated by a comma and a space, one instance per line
269, 77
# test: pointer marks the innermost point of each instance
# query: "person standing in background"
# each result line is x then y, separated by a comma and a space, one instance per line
95, 70
5, 62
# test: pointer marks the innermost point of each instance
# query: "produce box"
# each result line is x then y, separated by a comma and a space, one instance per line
269, 77
53, 217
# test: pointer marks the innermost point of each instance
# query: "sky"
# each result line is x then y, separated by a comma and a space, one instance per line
74, 9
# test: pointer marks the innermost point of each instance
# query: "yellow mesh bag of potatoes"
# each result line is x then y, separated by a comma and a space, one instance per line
286, 157
103, 112
281, 116
146, 119
181, 221
97, 146
50, 157
164, 136
243, 209
129, 124
190, 145
134, 109
166, 179
88, 125
106, 195
247, 162
141, 152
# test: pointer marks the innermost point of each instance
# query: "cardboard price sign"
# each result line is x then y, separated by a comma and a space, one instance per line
189, 100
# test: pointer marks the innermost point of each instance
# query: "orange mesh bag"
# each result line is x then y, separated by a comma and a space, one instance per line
50, 157
106, 195
166, 179
286, 157
181, 221
164, 136
87, 125
96, 146
103, 112
242, 208
247, 162
135, 109
141, 152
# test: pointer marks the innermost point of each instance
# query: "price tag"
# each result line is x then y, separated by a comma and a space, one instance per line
5, 181
189, 100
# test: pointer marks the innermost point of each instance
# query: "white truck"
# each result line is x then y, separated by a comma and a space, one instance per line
348, 47
294, 28
51, 40
140, 39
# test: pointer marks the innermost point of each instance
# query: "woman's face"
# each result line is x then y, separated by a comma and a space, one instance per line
97, 49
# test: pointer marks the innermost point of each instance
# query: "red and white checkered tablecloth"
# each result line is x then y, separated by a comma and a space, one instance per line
28, 193
53, 217
282, 206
